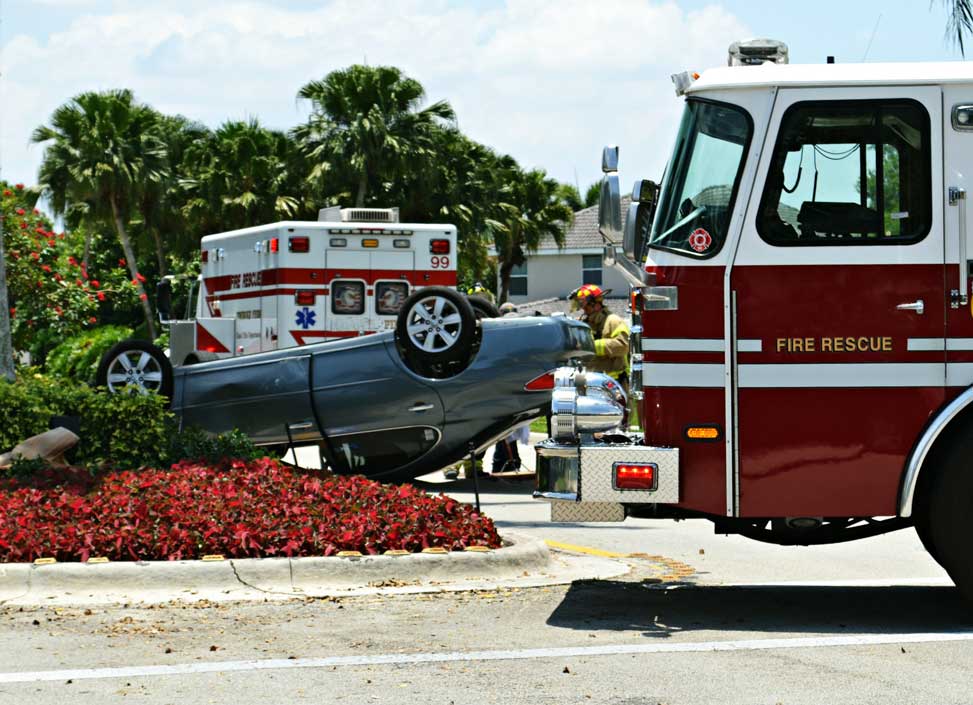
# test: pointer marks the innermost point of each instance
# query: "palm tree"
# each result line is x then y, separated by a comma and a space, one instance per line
530, 208
239, 176
960, 21
366, 121
104, 148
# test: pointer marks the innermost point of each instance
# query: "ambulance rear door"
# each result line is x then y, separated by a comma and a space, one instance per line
347, 272
391, 269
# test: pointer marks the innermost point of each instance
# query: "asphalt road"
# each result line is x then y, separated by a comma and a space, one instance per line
868, 622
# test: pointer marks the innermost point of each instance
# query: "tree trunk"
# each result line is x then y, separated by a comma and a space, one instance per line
6, 344
160, 253
506, 266
87, 247
362, 188
132, 265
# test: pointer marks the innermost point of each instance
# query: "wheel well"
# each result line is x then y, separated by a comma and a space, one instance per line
961, 421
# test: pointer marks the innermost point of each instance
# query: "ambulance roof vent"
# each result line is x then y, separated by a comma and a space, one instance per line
335, 214
753, 52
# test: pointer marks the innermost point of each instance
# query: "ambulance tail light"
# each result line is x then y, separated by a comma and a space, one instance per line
274, 244
439, 247
541, 384
298, 244
635, 476
304, 298
204, 256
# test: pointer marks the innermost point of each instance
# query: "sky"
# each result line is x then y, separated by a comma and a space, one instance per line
549, 83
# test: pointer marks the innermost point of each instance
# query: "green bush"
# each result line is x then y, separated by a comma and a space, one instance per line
122, 430
195, 444
77, 358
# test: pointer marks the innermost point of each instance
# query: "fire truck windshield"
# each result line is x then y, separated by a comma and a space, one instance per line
702, 178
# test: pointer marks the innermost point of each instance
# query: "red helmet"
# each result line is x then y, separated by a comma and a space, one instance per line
584, 293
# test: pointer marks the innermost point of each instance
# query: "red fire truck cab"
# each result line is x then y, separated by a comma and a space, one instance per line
802, 348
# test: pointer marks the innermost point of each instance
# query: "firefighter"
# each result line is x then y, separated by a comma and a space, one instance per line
479, 290
610, 332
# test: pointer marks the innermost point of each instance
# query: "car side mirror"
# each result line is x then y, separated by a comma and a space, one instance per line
610, 199
645, 195
163, 299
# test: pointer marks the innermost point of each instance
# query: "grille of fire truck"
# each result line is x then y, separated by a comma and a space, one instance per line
369, 215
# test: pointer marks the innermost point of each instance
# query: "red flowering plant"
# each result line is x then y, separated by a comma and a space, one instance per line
52, 295
251, 509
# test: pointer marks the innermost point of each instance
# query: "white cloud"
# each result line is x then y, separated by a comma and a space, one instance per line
548, 83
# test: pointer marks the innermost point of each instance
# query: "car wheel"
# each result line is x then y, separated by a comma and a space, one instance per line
483, 308
950, 507
135, 365
436, 325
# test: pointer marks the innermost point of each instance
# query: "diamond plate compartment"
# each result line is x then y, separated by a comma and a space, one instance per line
595, 477
586, 511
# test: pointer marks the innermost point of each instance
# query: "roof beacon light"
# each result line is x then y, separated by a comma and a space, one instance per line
753, 52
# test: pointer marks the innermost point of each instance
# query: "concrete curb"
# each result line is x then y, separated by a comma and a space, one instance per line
260, 578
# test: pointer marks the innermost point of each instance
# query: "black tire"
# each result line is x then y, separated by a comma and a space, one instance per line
436, 325
950, 509
135, 365
482, 308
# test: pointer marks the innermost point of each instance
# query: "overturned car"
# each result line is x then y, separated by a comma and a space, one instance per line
393, 405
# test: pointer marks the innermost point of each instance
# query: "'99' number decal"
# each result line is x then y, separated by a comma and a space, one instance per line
440, 262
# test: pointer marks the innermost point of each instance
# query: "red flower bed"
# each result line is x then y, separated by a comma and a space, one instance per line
256, 509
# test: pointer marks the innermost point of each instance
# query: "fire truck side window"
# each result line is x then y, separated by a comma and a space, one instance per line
849, 173
701, 184
347, 298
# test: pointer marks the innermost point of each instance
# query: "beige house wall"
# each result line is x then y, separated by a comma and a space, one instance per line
557, 275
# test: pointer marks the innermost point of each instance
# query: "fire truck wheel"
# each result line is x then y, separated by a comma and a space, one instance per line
483, 308
436, 325
135, 365
950, 507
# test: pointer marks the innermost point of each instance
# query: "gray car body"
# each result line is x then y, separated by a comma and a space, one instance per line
379, 417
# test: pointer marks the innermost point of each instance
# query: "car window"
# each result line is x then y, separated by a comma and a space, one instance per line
347, 297
387, 449
849, 173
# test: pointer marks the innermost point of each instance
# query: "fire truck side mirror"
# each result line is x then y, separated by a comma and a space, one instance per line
638, 221
163, 298
610, 199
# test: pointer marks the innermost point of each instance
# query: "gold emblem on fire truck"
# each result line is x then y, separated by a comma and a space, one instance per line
835, 344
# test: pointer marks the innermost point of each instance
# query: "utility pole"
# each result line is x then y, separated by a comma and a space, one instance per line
6, 344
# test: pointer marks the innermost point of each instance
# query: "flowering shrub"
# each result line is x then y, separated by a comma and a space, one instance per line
255, 509
50, 290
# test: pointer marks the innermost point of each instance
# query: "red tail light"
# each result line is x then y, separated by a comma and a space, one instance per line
299, 244
274, 244
635, 476
439, 247
540, 384
204, 256
304, 298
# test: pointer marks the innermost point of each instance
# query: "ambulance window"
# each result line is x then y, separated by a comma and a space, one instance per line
389, 297
700, 187
849, 173
348, 298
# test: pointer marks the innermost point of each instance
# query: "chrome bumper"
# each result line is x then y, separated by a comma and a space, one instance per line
585, 472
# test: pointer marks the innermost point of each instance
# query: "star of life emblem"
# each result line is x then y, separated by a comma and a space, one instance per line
305, 318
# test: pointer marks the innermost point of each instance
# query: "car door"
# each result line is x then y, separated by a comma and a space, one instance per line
378, 415
838, 284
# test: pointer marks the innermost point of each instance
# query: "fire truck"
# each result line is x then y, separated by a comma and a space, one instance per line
292, 283
802, 330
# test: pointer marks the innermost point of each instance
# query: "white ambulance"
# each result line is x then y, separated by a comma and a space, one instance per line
293, 283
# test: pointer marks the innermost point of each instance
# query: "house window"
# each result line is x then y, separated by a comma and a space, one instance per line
518, 280
591, 269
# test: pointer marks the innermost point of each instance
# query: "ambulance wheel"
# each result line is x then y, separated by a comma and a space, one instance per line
135, 366
950, 507
436, 325
483, 308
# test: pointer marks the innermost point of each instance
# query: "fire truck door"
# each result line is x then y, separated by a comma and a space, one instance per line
838, 289
958, 155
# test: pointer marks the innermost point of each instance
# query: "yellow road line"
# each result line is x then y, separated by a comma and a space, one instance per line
584, 549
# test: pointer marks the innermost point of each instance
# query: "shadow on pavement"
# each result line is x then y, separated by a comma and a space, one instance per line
658, 612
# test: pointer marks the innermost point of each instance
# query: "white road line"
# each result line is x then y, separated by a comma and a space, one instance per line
512, 655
